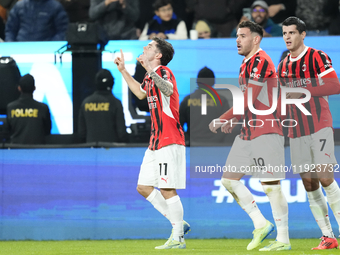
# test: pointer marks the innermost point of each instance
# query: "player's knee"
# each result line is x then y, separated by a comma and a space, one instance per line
268, 187
229, 184
310, 184
325, 182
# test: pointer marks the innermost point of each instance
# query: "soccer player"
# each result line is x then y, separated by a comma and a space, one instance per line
311, 140
163, 164
257, 145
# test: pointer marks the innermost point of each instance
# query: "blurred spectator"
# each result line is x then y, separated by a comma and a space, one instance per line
36, 20
334, 28
28, 120
117, 17
77, 10
146, 14
7, 5
203, 29
317, 15
259, 14
279, 10
165, 23
221, 14
101, 117
190, 112
2, 30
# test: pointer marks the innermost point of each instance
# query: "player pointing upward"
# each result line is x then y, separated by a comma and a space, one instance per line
164, 161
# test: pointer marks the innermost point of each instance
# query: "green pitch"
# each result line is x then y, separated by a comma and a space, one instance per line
144, 247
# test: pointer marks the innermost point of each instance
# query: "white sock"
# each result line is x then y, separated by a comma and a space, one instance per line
333, 197
176, 217
158, 201
246, 200
319, 208
279, 207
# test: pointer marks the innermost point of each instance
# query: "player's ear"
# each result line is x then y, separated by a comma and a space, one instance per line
159, 55
303, 34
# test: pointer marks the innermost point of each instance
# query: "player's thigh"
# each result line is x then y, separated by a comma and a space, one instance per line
301, 154
323, 147
239, 158
148, 174
171, 167
323, 153
268, 156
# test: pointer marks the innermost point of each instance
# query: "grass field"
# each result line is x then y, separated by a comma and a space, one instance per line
194, 246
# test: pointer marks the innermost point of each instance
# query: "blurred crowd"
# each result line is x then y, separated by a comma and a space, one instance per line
47, 20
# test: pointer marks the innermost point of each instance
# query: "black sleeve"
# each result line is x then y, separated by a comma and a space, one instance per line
47, 121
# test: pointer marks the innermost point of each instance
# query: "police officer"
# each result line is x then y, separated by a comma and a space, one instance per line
28, 120
101, 117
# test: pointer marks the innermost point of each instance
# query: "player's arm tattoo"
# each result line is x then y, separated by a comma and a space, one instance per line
164, 86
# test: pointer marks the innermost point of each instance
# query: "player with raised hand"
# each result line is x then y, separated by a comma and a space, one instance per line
259, 146
311, 140
163, 164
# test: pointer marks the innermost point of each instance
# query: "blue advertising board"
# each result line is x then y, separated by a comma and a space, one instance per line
57, 194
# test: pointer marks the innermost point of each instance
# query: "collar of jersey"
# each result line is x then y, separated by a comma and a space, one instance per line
245, 60
300, 56
155, 69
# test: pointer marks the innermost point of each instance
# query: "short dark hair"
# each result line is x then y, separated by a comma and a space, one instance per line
254, 27
300, 25
160, 3
27, 83
166, 49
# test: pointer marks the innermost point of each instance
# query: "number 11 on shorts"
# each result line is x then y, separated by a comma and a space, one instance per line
165, 168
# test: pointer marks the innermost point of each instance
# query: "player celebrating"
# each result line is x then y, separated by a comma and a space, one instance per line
164, 161
259, 146
311, 140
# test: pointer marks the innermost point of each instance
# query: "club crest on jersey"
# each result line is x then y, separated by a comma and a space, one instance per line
254, 74
304, 67
164, 75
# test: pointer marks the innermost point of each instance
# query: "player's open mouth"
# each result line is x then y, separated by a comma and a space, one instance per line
288, 43
238, 47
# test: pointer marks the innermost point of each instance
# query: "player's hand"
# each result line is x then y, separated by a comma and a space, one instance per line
119, 61
215, 125
293, 95
152, 35
162, 35
145, 62
229, 126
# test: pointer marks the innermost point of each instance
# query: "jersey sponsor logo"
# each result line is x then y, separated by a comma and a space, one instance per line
24, 113
97, 107
152, 102
243, 87
299, 83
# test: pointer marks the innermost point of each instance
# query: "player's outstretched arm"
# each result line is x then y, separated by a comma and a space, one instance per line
132, 83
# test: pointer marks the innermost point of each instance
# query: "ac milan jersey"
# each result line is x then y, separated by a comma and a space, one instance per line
259, 70
164, 111
306, 71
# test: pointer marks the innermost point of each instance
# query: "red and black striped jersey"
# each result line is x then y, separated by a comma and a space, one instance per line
306, 71
259, 73
165, 126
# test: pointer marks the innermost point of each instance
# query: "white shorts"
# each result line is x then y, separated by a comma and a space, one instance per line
164, 168
262, 157
310, 151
